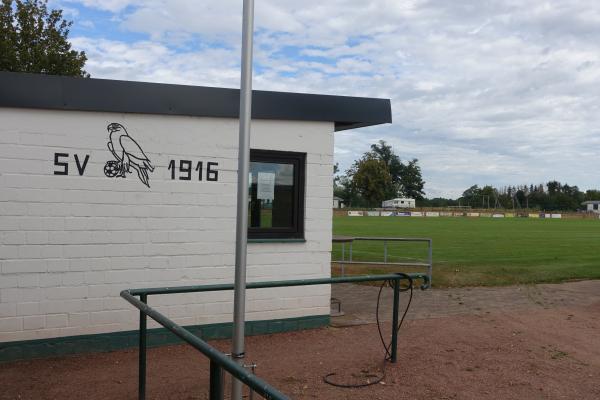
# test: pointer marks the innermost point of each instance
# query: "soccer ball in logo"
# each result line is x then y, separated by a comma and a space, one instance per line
111, 169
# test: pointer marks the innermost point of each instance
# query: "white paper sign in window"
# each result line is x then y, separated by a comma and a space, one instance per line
266, 186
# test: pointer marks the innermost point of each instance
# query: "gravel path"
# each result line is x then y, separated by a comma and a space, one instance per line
533, 342
358, 301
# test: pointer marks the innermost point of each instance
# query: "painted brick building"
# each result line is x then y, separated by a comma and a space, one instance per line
107, 185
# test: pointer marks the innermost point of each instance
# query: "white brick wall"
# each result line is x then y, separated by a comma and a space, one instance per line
70, 244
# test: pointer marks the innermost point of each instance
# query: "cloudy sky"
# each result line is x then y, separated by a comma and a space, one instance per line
483, 92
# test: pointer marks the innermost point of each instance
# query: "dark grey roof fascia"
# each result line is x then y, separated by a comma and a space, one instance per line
85, 94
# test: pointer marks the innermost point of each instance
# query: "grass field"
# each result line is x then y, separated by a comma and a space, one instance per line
481, 251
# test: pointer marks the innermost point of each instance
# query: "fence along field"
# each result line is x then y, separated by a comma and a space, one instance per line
480, 251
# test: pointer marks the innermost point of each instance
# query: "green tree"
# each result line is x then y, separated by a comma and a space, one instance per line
406, 178
385, 153
438, 202
345, 191
33, 39
336, 178
412, 182
488, 197
554, 187
371, 180
559, 196
470, 195
592, 194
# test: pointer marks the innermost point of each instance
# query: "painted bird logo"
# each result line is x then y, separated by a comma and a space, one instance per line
127, 153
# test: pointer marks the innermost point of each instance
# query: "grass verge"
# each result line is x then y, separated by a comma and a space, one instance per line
479, 251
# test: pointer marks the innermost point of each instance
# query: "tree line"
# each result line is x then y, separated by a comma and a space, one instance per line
553, 195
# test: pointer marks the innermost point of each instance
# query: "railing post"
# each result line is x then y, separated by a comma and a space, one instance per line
430, 257
385, 251
394, 346
142, 351
216, 382
350, 256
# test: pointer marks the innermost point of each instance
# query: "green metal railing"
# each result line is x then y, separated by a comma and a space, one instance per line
218, 360
346, 258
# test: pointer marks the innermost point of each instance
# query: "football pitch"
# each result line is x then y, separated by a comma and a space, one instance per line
480, 251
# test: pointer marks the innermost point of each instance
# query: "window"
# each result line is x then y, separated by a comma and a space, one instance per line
276, 195
595, 206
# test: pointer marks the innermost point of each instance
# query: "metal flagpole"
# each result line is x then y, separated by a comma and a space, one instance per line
241, 227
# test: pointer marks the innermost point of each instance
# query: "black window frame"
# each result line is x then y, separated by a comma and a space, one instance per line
296, 231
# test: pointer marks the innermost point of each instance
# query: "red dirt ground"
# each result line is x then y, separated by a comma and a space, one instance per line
527, 354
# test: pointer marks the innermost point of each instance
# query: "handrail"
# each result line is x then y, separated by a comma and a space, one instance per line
272, 284
219, 360
249, 379
349, 239
393, 239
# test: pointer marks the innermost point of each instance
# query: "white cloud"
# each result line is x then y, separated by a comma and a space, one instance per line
498, 92
154, 62
87, 24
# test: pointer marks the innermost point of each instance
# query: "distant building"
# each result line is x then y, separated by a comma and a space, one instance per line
399, 203
592, 206
338, 202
